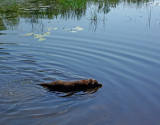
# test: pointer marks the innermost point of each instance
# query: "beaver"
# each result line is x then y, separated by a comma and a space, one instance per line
68, 86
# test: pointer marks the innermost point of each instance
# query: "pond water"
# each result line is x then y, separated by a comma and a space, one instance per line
116, 42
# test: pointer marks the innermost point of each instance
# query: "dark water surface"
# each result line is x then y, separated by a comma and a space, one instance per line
116, 42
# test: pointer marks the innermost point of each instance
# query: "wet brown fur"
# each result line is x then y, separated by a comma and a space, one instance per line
66, 86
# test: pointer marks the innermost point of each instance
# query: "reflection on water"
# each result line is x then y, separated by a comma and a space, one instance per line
79, 94
35, 10
113, 41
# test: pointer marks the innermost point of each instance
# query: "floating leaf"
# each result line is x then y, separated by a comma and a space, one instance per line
41, 39
73, 31
37, 36
28, 34
77, 28
55, 28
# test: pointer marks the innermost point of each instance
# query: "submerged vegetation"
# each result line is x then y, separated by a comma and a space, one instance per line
33, 10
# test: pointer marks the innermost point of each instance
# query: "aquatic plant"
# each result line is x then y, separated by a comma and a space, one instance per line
41, 37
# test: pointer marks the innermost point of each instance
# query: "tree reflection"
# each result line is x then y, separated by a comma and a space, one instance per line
34, 10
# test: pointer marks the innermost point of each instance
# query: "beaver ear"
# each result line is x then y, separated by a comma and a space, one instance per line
90, 81
96, 81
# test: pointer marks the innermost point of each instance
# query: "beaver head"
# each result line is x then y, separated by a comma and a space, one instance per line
94, 83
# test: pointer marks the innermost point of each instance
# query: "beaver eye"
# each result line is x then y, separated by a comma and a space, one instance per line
95, 83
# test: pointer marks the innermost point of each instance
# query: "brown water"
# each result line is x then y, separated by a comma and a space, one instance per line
116, 43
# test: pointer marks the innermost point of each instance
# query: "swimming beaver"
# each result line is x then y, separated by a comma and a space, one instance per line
67, 86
